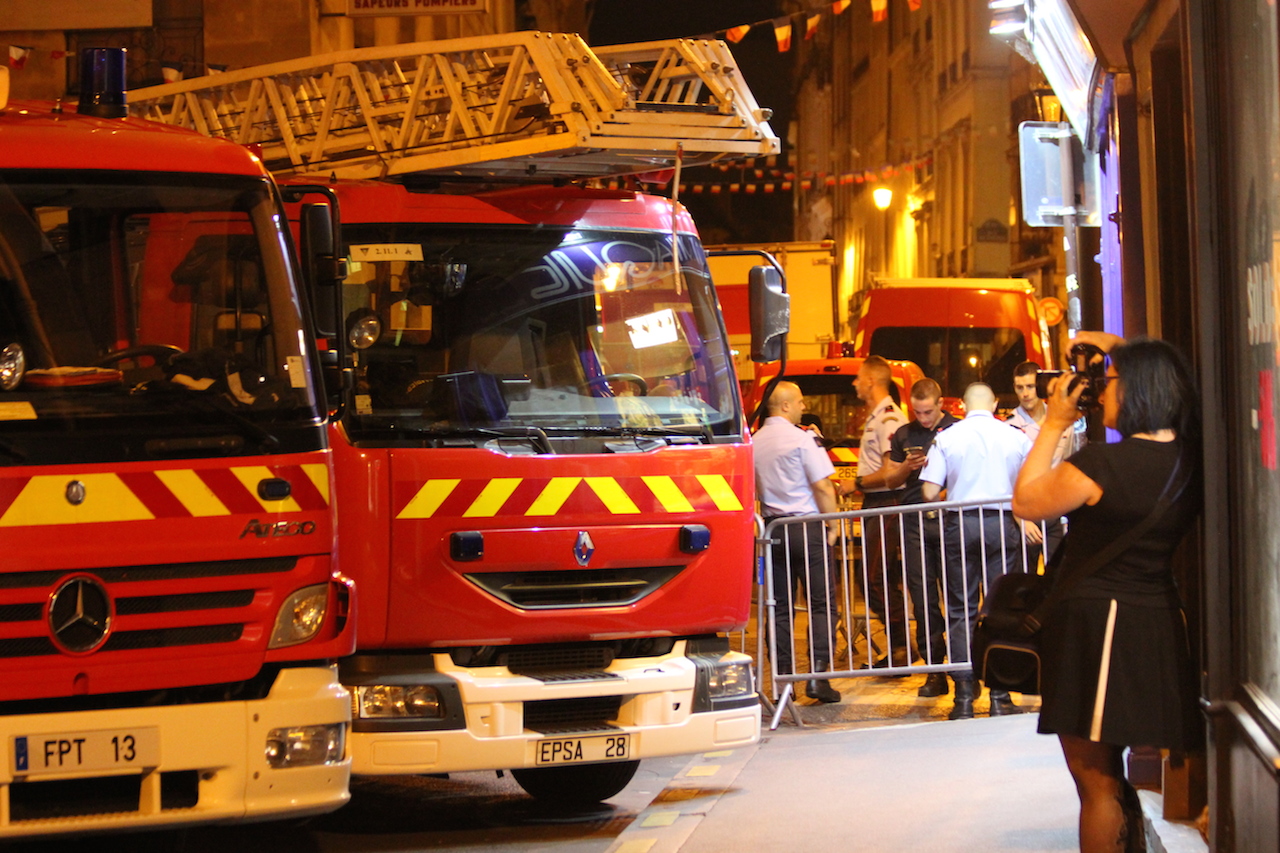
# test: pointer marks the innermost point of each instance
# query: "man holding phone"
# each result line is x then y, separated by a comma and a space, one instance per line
908, 449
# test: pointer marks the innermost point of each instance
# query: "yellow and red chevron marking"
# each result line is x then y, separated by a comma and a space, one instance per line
843, 455
41, 500
530, 497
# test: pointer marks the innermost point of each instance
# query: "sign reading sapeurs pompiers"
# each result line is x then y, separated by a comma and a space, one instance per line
415, 7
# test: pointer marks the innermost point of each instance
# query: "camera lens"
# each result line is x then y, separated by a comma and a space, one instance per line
1043, 378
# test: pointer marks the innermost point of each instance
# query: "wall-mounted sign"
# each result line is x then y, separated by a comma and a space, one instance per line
1052, 310
360, 8
386, 252
993, 231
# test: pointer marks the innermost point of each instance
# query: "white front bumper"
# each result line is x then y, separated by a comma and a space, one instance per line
657, 710
225, 742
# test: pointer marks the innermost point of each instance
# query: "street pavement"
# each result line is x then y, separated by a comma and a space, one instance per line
883, 770
983, 784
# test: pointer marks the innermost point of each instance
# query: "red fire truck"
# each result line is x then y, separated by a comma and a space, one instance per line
170, 617
959, 330
543, 478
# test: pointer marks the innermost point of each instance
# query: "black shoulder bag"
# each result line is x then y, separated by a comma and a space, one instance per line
1005, 647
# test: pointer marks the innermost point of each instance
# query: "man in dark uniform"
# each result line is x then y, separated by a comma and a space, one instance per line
921, 531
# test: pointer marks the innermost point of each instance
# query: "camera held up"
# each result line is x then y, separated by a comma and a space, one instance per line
1087, 364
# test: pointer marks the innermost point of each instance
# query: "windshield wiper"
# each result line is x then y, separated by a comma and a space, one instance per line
537, 437
699, 431
194, 400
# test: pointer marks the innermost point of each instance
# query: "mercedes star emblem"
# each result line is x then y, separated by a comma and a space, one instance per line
80, 614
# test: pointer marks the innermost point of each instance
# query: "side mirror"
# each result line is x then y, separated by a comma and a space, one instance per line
770, 313
321, 266
319, 244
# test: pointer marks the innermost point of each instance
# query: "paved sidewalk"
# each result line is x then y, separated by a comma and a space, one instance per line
989, 784
982, 784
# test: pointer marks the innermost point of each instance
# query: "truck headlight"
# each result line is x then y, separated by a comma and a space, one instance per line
729, 679
300, 616
392, 702
306, 746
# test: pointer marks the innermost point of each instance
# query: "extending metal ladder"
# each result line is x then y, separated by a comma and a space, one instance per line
525, 105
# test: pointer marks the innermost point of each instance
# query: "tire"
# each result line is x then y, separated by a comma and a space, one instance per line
577, 784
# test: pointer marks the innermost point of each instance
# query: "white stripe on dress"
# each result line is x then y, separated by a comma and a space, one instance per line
1104, 670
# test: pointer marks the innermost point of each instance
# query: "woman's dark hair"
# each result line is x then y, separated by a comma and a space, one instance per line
1158, 390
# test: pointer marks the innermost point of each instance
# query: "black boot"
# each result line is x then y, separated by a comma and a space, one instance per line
1002, 705
822, 691
935, 684
965, 694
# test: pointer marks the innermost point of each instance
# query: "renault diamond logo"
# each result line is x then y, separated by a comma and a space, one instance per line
583, 548
80, 614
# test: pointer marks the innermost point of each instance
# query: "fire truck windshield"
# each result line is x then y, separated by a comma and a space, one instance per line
832, 404
955, 356
147, 315
566, 331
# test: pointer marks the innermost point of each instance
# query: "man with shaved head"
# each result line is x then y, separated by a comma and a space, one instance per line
793, 477
976, 460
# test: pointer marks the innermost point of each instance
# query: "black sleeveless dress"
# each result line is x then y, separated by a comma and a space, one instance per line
1116, 661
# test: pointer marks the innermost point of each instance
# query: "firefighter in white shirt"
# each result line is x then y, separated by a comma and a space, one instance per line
882, 569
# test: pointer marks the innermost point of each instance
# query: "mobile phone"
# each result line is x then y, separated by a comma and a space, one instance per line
915, 451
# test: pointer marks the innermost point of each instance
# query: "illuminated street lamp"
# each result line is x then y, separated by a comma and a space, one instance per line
1008, 18
883, 197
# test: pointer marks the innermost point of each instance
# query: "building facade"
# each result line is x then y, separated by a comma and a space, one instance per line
1183, 107
923, 105
193, 37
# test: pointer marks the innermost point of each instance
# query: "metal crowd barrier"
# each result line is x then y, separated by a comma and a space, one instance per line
884, 568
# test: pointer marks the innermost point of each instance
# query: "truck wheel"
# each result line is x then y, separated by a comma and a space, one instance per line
576, 785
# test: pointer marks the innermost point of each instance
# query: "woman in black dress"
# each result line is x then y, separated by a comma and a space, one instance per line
1116, 664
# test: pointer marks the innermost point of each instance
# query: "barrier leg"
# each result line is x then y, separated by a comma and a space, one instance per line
786, 702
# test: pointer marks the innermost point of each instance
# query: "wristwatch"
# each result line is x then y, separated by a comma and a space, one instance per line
857, 484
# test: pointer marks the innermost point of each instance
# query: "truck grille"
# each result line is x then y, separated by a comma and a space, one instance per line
537, 658
556, 716
189, 601
167, 616
561, 657
128, 640
161, 572
198, 635
573, 588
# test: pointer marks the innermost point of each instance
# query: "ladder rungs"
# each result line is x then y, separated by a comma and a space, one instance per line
480, 106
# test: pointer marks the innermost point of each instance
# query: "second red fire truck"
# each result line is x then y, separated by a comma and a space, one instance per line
542, 472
